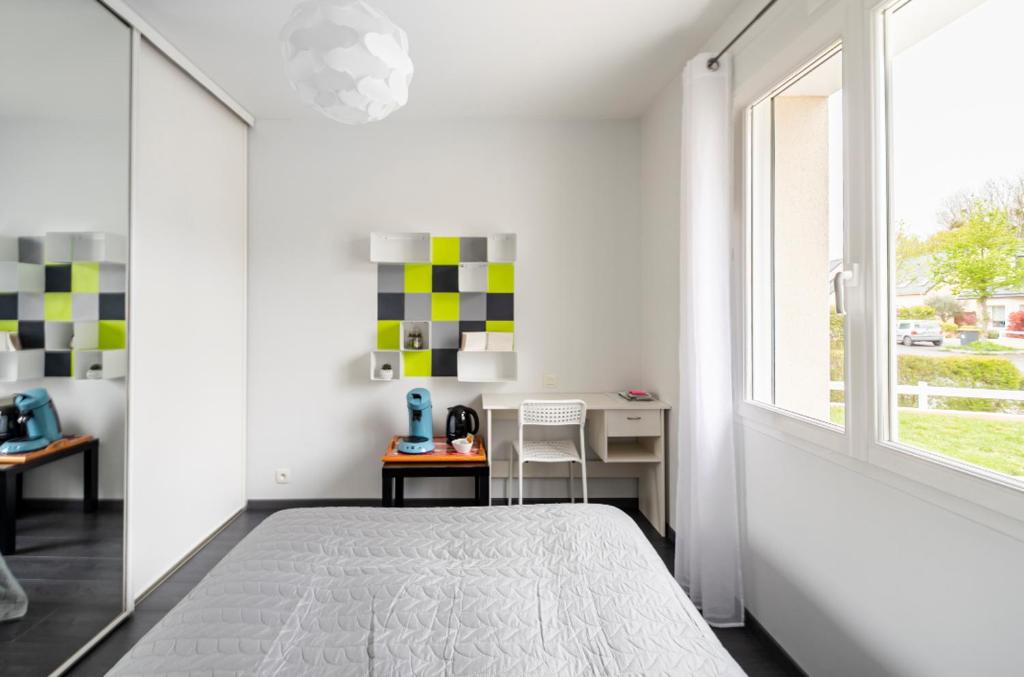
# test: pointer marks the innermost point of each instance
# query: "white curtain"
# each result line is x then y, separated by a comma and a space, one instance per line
707, 523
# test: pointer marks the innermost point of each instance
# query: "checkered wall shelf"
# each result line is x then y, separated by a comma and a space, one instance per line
64, 295
439, 288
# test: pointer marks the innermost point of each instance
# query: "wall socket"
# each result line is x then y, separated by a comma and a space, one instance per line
282, 475
550, 381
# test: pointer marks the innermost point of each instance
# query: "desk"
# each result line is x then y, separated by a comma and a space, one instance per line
14, 466
627, 440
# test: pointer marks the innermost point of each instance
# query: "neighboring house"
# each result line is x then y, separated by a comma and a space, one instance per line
914, 285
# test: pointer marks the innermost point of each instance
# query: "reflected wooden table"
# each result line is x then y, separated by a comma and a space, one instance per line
14, 466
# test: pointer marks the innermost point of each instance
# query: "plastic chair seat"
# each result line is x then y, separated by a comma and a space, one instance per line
549, 451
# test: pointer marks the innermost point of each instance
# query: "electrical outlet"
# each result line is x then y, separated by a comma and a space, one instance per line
550, 381
282, 475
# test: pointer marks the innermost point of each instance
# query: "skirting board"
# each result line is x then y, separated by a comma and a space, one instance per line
71, 504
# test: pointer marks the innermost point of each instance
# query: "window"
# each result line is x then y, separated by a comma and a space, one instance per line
797, 340
956, 230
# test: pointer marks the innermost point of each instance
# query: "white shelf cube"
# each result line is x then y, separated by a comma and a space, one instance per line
57, 335
473, 277
9, 250
378, 358
21, 365
88, 246
103, 247
407, 327
400, 247
113, 363
32, 249
57, 247
501, 248
22, 277
487, 366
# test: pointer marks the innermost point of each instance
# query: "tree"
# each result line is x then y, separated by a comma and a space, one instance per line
945, 306
1006, 195
910, 246
979, 256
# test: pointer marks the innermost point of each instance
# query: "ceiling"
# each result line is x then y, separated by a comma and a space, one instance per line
563, 59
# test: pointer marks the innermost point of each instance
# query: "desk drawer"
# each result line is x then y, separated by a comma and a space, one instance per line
633, 423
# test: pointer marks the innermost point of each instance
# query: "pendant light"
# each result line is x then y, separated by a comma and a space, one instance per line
347, 60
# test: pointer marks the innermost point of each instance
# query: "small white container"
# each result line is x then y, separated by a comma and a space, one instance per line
462, 445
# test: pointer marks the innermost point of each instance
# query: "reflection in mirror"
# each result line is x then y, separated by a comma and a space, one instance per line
64, 163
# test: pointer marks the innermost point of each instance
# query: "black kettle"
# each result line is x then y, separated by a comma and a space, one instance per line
462, 421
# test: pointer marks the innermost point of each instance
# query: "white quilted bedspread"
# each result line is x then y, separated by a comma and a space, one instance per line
535, 590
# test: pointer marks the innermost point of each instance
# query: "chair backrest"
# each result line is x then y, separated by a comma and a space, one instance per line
552, 412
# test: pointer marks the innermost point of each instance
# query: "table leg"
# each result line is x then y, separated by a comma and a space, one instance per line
483, 487
386, 499
399, 491
8, 508
91, 478
19, 493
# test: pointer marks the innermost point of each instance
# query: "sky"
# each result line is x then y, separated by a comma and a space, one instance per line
958, 111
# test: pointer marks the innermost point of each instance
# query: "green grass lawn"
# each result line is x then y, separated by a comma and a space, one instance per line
983, 347
994, 444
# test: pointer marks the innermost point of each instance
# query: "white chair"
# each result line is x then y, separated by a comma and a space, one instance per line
549, 413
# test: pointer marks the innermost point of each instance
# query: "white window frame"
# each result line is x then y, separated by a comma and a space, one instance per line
789, 38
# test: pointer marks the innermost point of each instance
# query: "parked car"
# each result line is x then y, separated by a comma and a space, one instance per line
909, 332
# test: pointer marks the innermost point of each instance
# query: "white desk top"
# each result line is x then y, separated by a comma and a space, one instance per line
594, 401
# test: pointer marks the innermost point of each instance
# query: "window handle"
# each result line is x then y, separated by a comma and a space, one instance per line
840, 280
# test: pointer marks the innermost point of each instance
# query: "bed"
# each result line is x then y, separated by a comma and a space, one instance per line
533, 590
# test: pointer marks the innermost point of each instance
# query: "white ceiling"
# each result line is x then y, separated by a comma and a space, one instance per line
473, 58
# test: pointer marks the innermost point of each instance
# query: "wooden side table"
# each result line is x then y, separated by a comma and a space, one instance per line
444, 461
13, 467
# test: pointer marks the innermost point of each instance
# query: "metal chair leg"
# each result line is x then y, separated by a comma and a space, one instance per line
572, 492
583, 470
508, 477
520, 482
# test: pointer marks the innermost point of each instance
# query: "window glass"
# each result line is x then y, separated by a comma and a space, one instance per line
956, 230
796, 239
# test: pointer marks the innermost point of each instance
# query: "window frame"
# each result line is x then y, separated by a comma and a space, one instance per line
787, 42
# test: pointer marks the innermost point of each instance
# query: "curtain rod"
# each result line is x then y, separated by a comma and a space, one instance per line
713, 61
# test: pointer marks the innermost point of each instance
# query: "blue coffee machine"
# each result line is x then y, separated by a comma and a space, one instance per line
421, 424
39, 416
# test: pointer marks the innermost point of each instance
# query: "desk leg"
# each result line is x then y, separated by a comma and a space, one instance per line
19, 493
8, 509
91, 478
399, 491
490, 454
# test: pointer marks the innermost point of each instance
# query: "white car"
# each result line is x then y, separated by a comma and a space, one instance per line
909, 332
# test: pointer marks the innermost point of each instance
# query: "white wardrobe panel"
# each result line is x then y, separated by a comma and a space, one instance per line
187, 324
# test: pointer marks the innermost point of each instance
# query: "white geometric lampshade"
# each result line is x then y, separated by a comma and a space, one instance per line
347, 60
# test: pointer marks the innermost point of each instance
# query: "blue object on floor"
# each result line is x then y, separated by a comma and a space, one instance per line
421, 423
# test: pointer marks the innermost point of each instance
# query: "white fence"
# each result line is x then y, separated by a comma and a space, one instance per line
923, 391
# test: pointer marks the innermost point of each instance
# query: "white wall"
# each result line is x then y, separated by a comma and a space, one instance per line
661, 136
569, 190
187, 326
851, 575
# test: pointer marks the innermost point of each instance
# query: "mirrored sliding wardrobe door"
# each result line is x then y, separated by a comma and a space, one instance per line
65, 72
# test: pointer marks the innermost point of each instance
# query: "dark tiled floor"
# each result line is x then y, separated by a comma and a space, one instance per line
756, 653
70, 566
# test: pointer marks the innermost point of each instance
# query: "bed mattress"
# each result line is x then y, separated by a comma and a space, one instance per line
534, 590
